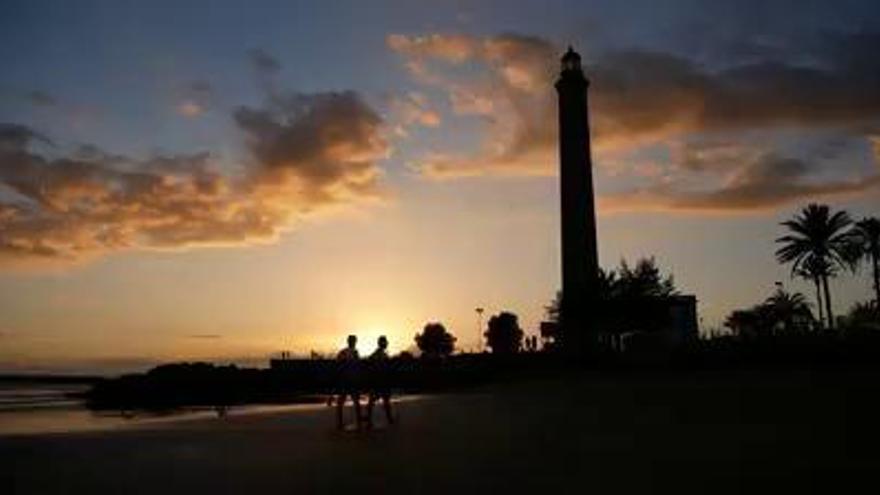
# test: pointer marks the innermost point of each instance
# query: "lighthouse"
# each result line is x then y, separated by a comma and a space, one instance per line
580, 260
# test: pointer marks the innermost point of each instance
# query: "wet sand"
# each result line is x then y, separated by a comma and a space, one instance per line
712, 433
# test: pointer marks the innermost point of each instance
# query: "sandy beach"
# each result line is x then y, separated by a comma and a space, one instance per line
780, 432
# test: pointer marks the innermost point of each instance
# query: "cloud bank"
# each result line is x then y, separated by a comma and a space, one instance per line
757, 181
310, 153
642, 98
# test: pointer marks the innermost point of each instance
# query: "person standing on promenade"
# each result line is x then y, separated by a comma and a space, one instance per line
380, 386
348, 361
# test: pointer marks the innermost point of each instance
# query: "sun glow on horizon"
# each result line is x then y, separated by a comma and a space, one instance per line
219, 190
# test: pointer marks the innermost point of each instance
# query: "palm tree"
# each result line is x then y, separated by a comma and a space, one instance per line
791, 309
813, 270
753, 322
817, 233
865, 243
863, 316
744, 322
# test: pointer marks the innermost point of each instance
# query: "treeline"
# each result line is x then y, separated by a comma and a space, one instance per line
311, 380
299, 380
781, 331
435, 367
819, 244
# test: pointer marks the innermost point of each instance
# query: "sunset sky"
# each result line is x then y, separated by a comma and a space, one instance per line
224, 180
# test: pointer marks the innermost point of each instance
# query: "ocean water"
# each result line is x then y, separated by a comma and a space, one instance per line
39, 408
35, 407
24, 396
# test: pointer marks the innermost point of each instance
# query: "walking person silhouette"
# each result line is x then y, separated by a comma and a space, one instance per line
380, 386
348, 361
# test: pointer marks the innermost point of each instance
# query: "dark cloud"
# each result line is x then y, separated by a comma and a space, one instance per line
263, 62
774, 94
41, 98
15, 137
762, 181
201, 87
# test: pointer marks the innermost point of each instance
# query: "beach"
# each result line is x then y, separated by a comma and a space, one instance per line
713, 432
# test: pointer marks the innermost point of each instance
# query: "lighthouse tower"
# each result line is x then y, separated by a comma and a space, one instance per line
580, 261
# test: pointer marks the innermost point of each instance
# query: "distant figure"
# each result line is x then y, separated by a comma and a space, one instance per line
380, 386
349, 381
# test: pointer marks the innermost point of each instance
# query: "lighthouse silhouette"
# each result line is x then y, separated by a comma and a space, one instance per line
580, 259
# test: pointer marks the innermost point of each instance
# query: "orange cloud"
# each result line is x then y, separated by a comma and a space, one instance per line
194, 99
450, 48
413, 108
311, 152
190, 109
641, 98
509, 93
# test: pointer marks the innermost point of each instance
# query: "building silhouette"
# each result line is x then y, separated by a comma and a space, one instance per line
580, 260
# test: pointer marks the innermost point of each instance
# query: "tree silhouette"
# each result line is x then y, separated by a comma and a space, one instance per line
553, 310
865, 247
817, 233
750, 322
863, 316
607, 283
782, 311
790, 309
644, 280
504, 334
626, 283
813, 269
435, 341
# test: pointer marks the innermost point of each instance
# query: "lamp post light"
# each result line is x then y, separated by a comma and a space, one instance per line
479, 329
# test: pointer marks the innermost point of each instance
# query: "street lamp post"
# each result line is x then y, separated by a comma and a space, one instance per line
479, 329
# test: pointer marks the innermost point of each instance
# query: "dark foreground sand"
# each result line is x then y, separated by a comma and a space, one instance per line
712, 433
